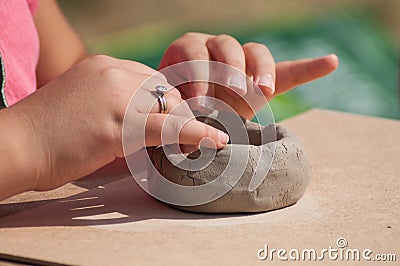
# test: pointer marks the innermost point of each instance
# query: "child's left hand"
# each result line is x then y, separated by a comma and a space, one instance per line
254, 59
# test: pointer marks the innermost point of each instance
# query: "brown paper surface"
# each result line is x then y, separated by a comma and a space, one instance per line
354, 193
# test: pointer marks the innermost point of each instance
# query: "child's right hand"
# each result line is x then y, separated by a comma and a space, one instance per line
73, 125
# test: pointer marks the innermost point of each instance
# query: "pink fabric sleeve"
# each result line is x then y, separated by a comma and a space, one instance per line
19, 50
33, 5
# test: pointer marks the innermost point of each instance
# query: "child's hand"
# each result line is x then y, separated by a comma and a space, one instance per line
254, 59
73, 125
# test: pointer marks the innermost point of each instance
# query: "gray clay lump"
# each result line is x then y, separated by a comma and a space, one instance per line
284, 184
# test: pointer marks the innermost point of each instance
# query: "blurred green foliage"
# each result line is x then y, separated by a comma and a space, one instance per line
365, 83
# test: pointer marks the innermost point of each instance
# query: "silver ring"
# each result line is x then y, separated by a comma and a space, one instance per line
160, 90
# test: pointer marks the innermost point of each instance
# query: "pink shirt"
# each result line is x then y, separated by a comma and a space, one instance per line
19, 50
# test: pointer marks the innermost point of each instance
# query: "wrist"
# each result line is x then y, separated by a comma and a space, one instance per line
17, 162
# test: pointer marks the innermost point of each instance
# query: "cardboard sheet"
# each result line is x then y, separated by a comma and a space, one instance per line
354, 194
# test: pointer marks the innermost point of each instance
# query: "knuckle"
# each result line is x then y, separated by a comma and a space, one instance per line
101, 58
224, 38
111, 72
255, 45
105, 66
190, 35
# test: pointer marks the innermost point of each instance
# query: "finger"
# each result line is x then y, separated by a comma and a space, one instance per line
226, 49
261, 65
188, 148
147, 100
290, 74
191, 46
173, 53
164, 129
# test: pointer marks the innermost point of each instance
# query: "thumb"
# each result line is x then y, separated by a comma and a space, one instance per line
164, 129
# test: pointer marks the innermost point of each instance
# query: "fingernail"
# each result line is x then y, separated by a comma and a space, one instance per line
239, 84
223, 137
267, 81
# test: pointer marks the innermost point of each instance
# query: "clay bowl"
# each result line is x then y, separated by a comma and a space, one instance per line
284, 184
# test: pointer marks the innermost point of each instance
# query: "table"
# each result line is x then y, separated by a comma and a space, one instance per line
106, 219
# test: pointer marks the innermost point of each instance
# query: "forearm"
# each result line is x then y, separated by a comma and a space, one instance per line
60, 46
16, 161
